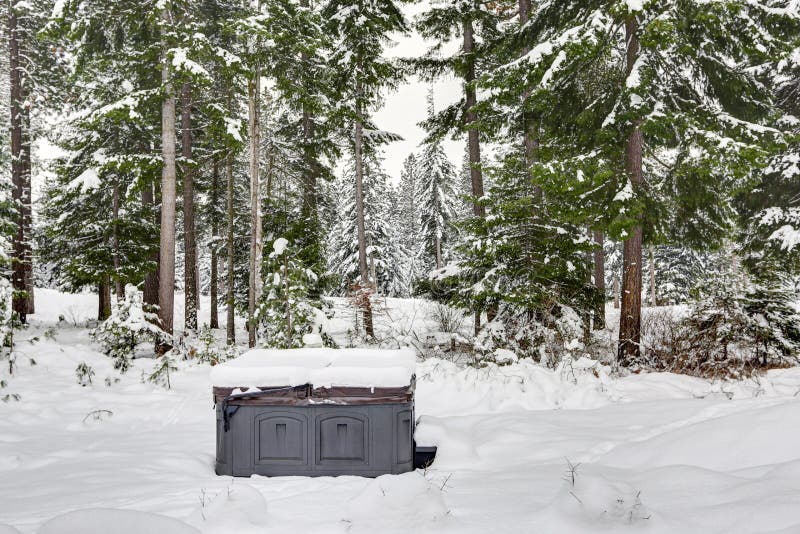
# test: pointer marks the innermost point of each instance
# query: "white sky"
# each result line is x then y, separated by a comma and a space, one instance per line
407, 106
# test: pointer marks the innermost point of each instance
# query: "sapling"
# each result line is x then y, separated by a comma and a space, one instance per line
161, 372
84, 374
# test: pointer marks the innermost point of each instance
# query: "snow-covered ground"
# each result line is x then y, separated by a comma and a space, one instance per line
521, 448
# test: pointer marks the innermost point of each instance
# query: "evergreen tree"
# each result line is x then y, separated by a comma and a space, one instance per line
285, 314
362, 30
437, 201
607, 76
408, 216
298, 63
386, 254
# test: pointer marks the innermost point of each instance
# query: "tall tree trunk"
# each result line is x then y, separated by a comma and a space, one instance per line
652, 257
310, 214
530, 139
363, 268
26, 212
214, 246
615, 289
150, 292
229, 295
600, 280
189, 235
256, 236
630, 317
438, 252
21, 277
118, 289
103, 300
473, 139
166, 278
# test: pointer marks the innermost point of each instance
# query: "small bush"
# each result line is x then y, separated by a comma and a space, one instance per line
84, 374
449, 320
734, 328
547, 336
127, 327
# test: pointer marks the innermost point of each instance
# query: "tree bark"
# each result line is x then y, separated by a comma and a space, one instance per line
652, 256
600, 281
630, 318
473, 140
256, 236
363, 268
229, 296
166, 278
530, 139
150, 290
103, 300
118, 289
310, 213
21, 277
189, 235
214, 297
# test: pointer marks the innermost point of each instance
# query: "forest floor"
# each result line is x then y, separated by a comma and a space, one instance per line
521, 448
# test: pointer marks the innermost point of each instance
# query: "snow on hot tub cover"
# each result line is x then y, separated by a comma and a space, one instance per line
321, 367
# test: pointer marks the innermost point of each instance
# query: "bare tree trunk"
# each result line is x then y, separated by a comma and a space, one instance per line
229, 296
439, 261
103, 300
600, 280
166, 278
652, 256
118, 289
214, 245
363, 268
615, 289
150, 292
630, 318
21, 277
189, 235
256, 237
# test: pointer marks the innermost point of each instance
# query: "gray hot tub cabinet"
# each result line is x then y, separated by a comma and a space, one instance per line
307, 431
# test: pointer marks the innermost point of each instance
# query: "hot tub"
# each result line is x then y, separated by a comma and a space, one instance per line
315, 412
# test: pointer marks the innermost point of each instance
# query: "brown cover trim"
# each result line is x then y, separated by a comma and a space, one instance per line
341, 395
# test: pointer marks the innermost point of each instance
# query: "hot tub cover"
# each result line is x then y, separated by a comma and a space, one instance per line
320, 367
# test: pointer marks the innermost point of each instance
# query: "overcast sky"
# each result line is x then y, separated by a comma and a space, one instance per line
407, 106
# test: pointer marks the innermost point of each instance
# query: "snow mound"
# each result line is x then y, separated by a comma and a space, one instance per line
234, 509
407, 502
445, 388
8, 529
592, 500
322, 367
718, 440
105, 520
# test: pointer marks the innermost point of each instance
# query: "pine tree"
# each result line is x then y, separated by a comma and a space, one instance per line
298, 62
408, 215
437, 201
362, 31
605, 76
284, 314
386, 254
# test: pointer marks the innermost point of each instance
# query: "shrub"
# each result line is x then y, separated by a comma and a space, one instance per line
127, 327
734, 327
